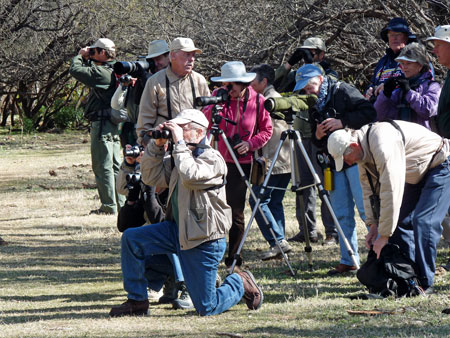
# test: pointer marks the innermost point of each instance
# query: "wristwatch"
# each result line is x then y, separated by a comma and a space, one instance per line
181, 142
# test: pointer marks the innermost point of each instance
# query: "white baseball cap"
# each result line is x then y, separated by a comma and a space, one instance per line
104, 43
338, 142
441, 33
191, 115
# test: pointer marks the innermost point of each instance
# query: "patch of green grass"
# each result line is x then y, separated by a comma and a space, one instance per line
60, 273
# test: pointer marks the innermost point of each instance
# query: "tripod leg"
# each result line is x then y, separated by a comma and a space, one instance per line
308, 248
283, 253
257, 206
324, 197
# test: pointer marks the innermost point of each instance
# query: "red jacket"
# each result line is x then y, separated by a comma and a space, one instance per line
246, 124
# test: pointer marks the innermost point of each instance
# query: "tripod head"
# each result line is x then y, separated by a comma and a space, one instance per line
286, 115
216, 118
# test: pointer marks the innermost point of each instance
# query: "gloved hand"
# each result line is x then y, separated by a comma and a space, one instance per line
389, 86
404, 85
133, 192
297, 56
307, 56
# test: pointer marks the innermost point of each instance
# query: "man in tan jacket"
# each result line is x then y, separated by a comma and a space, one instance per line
172, 89
197, 221
389, 155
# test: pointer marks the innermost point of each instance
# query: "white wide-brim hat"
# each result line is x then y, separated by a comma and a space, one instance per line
234, 71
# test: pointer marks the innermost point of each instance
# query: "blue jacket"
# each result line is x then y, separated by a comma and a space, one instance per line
387, 67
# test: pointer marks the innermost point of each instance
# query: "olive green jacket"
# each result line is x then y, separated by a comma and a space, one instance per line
99, 78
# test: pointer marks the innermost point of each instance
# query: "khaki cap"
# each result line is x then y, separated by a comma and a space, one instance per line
314, 43
184, 44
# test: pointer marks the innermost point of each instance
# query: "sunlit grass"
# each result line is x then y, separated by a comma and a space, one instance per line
60, 273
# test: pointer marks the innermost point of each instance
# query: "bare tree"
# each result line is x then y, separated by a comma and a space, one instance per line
38, 38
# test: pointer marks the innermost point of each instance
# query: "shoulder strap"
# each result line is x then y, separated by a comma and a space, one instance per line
369, 177
169, 108
193, 91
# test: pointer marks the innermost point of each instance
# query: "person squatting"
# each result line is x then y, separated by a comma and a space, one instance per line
178, 241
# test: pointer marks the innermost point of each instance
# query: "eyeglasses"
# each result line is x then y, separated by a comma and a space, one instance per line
347, 151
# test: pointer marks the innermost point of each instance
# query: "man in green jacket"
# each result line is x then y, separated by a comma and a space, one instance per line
93, 67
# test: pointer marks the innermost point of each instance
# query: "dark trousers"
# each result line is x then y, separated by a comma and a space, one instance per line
236, 190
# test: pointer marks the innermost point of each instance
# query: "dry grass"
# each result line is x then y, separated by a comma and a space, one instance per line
60, 272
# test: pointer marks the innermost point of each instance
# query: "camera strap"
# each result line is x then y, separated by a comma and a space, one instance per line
369, 176
169, 108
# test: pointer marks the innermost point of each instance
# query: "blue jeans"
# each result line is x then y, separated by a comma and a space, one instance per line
199, 266
347, 192
272, 207
419, 230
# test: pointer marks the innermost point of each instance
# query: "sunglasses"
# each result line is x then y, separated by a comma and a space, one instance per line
92, 50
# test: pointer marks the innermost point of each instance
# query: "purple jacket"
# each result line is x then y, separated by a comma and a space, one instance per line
422, 100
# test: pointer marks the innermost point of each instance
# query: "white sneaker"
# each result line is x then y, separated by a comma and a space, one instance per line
154, 295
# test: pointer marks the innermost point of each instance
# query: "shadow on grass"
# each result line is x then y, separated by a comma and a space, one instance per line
368, 330
91, 311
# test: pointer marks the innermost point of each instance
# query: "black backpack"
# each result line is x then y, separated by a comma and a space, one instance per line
394, 274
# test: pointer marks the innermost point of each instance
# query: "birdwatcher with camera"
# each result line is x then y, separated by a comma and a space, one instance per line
271, 201
390, 156
251, 130
134, 77
172, 89
397, 35
143, 208
312, 51
338, 105
413, 98
197, 220
93, 66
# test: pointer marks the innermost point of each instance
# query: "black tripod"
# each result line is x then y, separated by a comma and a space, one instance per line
215, 131
294, 136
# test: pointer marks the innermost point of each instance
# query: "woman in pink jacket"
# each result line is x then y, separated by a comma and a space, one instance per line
251, 131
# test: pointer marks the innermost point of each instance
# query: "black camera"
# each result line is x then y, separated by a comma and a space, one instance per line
133, 178
133, 151
159, 134
133, 185
233, 141
133, 68
222, 96
320, 116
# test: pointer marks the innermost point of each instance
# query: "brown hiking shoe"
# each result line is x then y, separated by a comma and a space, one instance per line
130, 308
341, 269
253, 294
